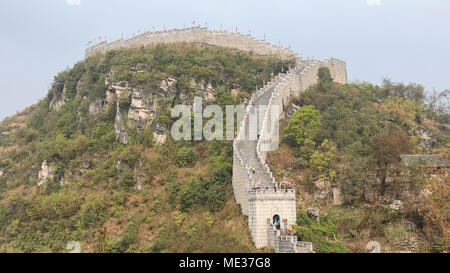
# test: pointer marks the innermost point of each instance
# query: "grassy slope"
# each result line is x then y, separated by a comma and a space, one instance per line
186, 201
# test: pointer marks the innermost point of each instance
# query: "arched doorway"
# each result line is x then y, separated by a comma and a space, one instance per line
276, 220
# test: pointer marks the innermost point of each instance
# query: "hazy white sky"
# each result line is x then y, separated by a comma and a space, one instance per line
407, 40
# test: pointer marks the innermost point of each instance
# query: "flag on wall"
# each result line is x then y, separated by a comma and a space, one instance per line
99, 37
236, 29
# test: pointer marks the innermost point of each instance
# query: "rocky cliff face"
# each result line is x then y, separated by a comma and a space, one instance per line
57, 102
426, 138
138, 106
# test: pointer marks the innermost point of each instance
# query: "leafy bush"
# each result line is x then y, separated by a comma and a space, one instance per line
130, 235
159, 243
127, 180
58, 205
94, 210
185, 157
311, 231
104, 133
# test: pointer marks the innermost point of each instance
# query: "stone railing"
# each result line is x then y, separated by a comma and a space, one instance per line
281, 94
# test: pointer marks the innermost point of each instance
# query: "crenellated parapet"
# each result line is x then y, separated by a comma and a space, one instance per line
199, 35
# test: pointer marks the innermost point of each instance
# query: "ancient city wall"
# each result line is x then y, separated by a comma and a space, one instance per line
195, 35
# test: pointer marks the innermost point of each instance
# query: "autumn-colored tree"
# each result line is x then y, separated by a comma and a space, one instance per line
321, 159
387, 147
437, 208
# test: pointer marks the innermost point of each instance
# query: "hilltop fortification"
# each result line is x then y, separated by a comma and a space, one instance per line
265, 202
195, 35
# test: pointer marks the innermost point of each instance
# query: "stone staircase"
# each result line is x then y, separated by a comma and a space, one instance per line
259, 181
284, 241
254, 186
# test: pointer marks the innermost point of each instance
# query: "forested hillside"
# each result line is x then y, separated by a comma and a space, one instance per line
93, 162
89, 162
342, 150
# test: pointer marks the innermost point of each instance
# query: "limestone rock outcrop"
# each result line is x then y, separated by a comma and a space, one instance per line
159, 133
121, 132
141, 108
314, 214
203, 89
57, 102
425, 138
46, 173
168, 86
96, 106
396, 205
337, 196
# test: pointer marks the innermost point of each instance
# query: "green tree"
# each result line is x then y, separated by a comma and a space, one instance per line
303, 126
325, 79
104, 133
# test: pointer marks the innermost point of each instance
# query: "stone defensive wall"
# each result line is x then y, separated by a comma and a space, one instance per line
291, 84
242, 177
261, 205
195, 35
